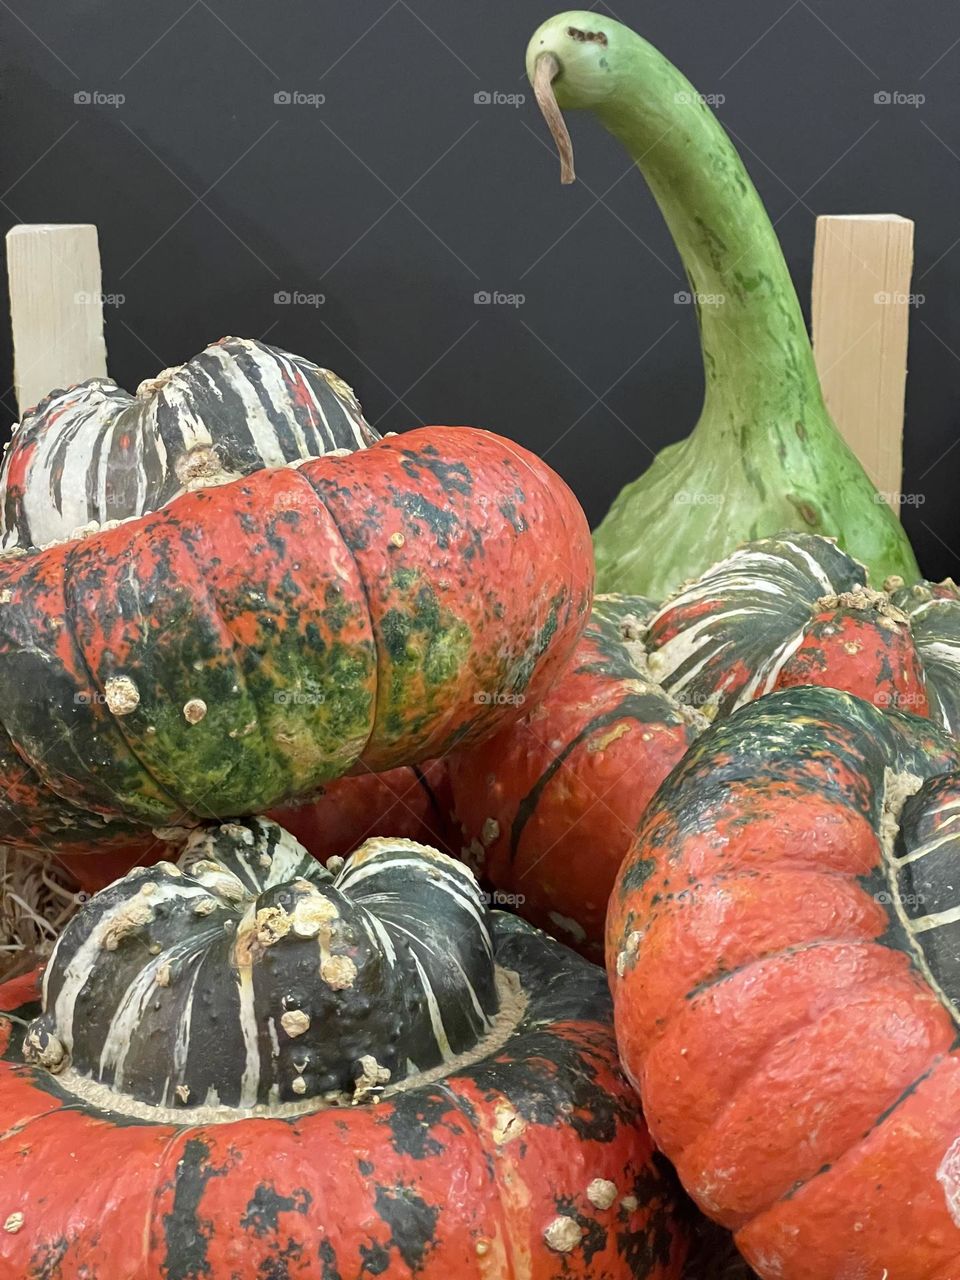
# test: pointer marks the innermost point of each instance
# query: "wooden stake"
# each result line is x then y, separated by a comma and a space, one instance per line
861, 309
56, 308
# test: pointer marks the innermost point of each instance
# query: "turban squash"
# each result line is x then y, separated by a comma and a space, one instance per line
782, 949
250, 641
250, 1065
796, 610
549, 806
94, 453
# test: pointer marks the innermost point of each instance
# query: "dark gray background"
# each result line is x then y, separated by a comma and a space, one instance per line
401, 197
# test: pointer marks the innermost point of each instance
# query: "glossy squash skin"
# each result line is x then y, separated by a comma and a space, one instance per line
522, 1158
548, 807
412, 801
782, 950
249, 642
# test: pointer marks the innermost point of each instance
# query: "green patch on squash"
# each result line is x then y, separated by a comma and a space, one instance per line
427, 647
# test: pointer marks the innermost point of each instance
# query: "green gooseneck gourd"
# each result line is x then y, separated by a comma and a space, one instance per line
765, 455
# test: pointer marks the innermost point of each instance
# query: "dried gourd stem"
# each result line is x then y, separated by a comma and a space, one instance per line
545, 72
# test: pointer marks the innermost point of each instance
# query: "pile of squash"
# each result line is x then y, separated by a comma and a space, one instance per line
304, 708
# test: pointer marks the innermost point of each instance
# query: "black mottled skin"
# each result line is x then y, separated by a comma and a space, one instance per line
412, 1222
263, 1212
186, 1232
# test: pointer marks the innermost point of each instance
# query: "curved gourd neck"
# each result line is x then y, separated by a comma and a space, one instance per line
755, 345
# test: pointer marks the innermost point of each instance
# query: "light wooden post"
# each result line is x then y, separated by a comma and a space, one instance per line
56, 308
861, 310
